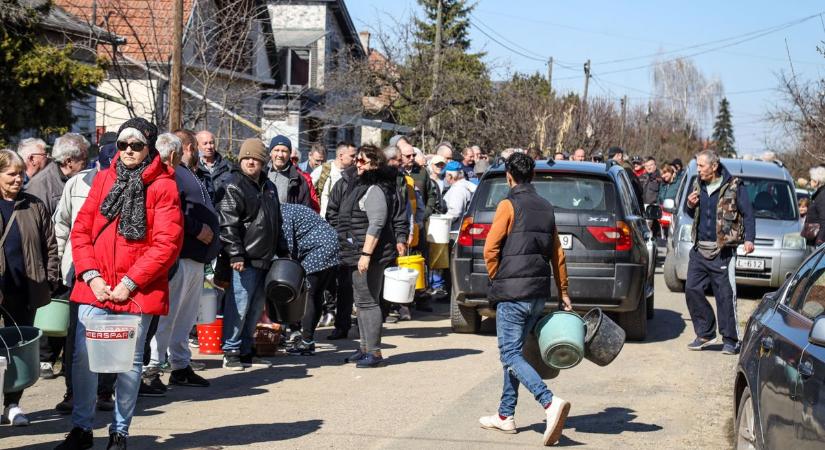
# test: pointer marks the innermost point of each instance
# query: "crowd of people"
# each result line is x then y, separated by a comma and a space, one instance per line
159, 217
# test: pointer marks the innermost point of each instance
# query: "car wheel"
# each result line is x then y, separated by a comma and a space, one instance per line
671, 280
463, 319
634, 323
651, 311
746, 423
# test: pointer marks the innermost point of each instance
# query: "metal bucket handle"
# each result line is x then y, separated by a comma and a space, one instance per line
131, 299
13, 321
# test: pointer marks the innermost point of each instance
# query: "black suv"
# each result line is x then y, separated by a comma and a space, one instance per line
608, 247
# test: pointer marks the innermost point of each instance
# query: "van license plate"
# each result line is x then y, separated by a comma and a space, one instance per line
566, 241
750, 264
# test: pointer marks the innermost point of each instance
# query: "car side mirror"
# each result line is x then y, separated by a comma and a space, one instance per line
669, 205
653, 212
817, 336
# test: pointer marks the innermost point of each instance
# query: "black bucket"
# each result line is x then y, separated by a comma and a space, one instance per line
531, 352
284, 281
604, 339
291, 311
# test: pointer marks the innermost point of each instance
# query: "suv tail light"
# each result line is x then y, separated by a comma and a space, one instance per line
620, 235
472, 232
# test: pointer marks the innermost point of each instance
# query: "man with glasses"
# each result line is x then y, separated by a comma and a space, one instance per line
69, 154
33, 152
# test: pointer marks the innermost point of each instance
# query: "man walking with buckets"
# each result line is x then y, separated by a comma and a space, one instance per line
522, 240
722, 219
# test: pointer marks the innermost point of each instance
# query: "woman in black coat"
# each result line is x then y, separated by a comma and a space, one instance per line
814, 229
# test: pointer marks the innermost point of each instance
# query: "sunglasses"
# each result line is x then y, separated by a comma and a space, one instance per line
136, 146
362, 161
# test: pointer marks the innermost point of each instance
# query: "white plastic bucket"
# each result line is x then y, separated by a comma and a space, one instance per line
110, 342
208, 306
3, 365
438, 231
399, 284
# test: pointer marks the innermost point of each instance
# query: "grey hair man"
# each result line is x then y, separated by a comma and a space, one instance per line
200, 246
460, 192
69, 153
34, 154
712, 259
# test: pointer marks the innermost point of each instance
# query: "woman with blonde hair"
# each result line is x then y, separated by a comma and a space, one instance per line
29, 266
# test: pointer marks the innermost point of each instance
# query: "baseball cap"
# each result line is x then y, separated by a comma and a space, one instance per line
438, 159
454, 166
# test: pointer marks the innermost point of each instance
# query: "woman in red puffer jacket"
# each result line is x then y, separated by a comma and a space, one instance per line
126, 238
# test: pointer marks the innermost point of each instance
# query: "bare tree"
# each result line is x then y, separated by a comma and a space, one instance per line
685, 93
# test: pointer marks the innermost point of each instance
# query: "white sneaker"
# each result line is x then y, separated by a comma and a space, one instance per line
495, 422
556, 415
15, 415
47, 371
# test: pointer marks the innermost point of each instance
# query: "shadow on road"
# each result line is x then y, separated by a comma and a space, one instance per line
216, 438
666, 325
432, 355
609, 421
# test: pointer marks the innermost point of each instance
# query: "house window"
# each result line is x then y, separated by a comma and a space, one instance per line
294, 66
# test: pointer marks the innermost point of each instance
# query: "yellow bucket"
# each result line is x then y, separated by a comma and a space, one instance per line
415, 262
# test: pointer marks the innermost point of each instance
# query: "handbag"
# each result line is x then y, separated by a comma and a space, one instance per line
810, 231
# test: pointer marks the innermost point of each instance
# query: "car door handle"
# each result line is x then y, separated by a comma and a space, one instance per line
806, 369
766, 343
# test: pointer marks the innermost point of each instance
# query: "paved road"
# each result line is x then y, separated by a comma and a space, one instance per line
655, 395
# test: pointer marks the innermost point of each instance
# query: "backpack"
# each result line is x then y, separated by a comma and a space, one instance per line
326, 168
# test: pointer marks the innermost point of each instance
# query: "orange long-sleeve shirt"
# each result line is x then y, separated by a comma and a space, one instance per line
501, 228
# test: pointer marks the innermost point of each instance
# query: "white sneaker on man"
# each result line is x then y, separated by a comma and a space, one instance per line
15, 415
495, 422
556, 415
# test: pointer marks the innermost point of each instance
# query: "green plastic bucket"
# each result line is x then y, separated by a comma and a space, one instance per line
21, 347
53, 319
561, 339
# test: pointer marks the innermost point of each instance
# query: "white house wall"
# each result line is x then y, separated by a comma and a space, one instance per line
141, 94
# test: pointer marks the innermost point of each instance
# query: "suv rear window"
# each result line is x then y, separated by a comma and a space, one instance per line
565, 191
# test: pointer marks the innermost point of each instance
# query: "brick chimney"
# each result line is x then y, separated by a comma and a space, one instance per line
365, 41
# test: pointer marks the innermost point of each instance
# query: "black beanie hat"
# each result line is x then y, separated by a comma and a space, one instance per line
149, 130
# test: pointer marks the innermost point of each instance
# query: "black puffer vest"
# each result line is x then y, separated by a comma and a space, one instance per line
524, 270
353, 223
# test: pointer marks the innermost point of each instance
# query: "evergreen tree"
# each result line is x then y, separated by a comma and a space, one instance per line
723, 131
454, 16
38, 81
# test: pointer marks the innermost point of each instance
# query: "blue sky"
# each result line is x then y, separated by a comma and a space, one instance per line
604, 31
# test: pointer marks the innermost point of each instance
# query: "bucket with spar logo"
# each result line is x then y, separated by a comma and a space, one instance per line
110, 342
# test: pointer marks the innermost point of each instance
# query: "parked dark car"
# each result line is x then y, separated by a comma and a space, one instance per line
609, 251
779, 393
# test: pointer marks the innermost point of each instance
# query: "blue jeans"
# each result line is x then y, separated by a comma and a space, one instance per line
84, 381
513, 321
244, 305
437, 280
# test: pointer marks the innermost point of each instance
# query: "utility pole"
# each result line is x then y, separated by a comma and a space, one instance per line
583, 108
177, 63
624, 116
550, 74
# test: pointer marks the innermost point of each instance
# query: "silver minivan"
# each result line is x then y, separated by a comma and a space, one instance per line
779, 247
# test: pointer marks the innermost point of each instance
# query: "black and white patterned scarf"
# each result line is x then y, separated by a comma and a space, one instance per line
128, 198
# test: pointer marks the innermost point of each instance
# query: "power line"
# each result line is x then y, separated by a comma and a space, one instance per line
479, 24
639, 39
702, 52
749, 35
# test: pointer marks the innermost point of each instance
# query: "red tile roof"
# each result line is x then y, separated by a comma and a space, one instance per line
146, 24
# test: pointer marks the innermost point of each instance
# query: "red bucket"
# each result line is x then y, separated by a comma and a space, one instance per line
210, 336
